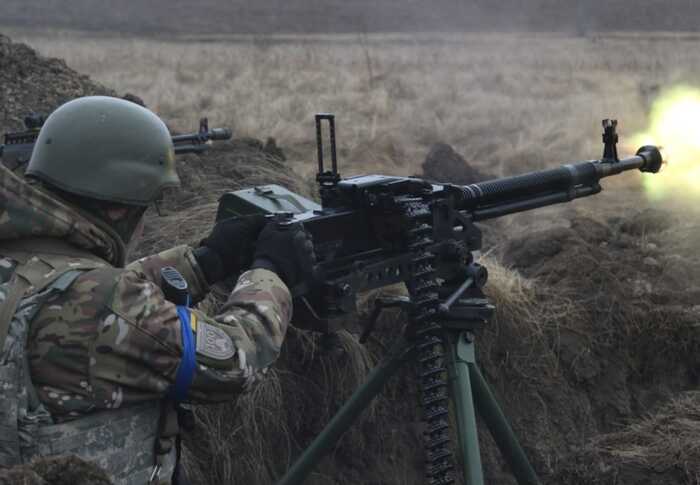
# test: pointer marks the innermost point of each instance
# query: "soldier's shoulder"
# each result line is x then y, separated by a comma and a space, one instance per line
115, 281
138, 299
126, 293
111, 287
107, 276
96, 285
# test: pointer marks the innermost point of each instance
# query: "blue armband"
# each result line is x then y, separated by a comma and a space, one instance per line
188, 361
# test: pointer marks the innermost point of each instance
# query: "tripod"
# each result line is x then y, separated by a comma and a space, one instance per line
460, 317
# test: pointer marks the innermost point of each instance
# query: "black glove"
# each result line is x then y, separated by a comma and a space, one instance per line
230, 247
285, 249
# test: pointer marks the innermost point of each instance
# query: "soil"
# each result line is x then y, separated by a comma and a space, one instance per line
30, 83
622, 337
443, 164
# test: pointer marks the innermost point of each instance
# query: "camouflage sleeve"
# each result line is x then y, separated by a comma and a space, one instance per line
255, 319
182, 259
113, 339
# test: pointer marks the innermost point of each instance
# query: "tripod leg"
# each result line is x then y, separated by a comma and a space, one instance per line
461, 357
346, 416
500, 429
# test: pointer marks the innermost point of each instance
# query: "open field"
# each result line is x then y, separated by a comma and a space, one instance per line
507, 102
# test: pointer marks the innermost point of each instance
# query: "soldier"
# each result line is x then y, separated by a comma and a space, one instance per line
92, 354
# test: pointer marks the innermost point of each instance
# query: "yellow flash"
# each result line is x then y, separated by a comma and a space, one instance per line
675, 127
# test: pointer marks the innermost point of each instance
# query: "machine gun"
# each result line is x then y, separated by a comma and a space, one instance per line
373, 231
200, 141
17, 147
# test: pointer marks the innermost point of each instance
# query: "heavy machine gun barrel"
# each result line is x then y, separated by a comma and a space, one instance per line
495, 198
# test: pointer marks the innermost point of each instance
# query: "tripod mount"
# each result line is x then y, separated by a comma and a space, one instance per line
463, 311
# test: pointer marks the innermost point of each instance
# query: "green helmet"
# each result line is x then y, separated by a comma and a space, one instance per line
107, 149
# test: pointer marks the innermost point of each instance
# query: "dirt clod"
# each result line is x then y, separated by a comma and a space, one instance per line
444, 164
273, 150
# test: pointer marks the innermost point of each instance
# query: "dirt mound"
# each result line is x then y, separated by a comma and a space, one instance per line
608, 336
58, 470
32, 83
444, 164
638, 298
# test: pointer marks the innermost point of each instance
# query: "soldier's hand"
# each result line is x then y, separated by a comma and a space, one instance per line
287, 250
230, 246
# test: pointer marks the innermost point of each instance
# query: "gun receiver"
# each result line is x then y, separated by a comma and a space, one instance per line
487, 200
17, 148
362, 230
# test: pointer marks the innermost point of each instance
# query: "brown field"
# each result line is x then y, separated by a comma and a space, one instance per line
507, 102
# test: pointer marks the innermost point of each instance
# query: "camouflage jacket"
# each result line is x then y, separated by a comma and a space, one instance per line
112, 339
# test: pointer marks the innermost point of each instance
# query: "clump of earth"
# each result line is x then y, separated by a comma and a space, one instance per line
444, 164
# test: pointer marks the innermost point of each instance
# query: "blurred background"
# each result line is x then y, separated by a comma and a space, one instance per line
335, 16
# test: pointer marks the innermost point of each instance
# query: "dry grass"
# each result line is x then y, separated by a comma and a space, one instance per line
254, 439
659, 449
662, 440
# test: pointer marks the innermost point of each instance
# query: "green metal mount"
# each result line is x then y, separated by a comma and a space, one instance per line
471, 394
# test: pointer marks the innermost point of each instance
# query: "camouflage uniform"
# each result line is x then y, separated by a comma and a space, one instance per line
110, 339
